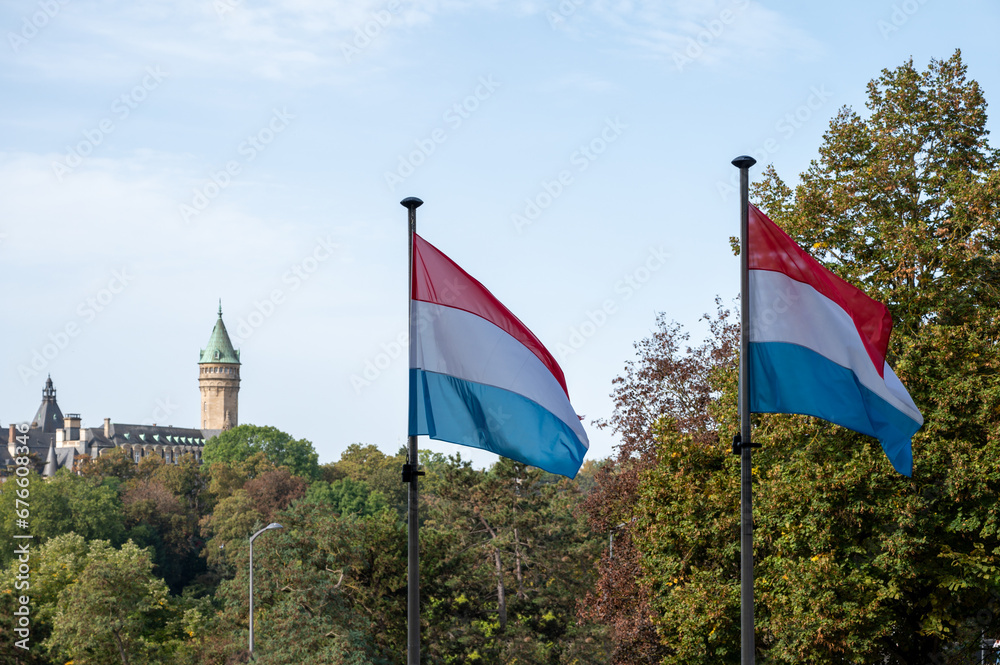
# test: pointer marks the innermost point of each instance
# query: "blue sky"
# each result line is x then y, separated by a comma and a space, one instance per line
573, 156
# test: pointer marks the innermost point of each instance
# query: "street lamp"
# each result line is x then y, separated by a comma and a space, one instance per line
272, 525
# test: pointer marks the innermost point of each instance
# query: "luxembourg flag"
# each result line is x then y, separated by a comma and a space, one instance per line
818, 346
479, 377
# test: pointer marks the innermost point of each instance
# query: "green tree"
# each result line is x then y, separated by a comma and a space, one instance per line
242, 441
506, 556
327, 589
53, 566
365, 462
224, 478
348, 496
187, 481
853, 562
906, 204
157, 518
234, 519
246, 510
108, 613
114, 463
671, 383
63, 504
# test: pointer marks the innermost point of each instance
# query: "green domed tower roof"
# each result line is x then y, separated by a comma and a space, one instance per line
220, 348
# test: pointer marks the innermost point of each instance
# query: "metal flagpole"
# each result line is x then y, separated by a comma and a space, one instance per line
744, 446
410, 475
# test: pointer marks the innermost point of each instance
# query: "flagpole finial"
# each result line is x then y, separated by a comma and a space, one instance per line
744, 162
411, 203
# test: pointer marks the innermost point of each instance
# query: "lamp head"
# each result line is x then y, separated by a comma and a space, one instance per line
272, 525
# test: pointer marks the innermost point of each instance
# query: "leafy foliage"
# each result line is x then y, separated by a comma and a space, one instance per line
348, 497
853, 563
67, 502
368, 464
240, 442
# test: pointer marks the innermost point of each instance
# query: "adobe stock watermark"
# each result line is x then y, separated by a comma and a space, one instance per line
224, 7
248, 150
454, 117
380, 362
162, 410
580, 160
32, 24
766, 313
900, 16
292, 280
784, 129
20, 484
450, 292
711, 31
86, 312
121, 108
496, 418
624, 290
562, 12
366, 33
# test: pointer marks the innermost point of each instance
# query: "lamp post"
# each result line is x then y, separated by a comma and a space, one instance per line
272, 525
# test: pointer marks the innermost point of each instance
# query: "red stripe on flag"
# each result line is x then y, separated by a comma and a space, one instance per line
773, 249
439, 280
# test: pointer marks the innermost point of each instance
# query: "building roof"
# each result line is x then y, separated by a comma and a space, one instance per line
42, 446
48, 418
50, 463
220, 348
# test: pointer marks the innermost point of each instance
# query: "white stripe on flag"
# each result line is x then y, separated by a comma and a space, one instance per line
785, 310
454, 342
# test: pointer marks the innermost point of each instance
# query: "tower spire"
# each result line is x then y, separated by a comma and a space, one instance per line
48, 417
219, 379
50, 462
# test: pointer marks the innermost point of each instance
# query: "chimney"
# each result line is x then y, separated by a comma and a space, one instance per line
107, 427
71, 423
11, 437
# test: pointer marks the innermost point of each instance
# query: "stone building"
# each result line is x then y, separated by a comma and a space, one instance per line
219, 380
55, 440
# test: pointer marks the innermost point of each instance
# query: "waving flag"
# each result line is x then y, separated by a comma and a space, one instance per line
818, 346
479, 377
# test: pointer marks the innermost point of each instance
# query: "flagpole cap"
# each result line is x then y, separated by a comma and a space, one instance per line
744, 162
411, 203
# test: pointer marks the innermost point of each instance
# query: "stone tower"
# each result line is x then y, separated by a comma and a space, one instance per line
219, 380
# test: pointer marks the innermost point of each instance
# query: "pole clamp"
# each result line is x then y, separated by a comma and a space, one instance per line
738, 444
410, 473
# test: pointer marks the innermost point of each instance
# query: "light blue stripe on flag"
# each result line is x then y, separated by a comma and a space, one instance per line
473, 414
788, 378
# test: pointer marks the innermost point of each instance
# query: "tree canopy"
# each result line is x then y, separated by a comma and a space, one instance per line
280, 449
854, 563
505, 556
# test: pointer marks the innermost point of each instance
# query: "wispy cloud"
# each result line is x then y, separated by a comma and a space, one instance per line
304, 40
710, 32
269, 39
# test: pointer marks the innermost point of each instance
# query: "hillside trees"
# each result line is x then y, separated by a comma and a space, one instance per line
169, 586
505, 557
509, 555
88, 506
